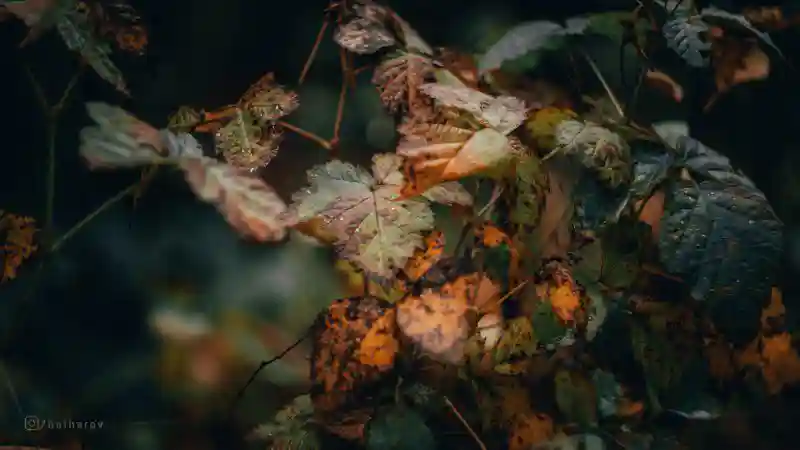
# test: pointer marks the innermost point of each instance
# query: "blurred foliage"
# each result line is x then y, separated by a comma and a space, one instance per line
559, 254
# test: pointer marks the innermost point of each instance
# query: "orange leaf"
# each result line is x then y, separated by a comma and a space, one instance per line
529, 431
19, 243
651, 211
560, 289
423, 259
664, 83
736, 61
353, 346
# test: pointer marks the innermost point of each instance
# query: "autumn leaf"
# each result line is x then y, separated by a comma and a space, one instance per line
426, 257
528, 431
598, 149
120, 140
249, 205
517, 340
19, 243
735, 62
772, 353
398, 80
247, 144
541, 126
530, 184
452, 156
560, 291
664, 83
504, 113
353, 346
366, 32
436, 322
373, 228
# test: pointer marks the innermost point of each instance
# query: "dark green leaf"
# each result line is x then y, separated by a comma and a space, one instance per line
721, 236
399, 428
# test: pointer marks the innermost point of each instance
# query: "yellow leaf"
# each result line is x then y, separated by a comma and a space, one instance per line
542, 125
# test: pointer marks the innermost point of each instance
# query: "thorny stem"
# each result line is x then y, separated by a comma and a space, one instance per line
327, 145
605, 84
466, 425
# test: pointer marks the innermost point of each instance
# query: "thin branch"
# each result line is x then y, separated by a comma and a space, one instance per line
605, 84
107, 204
313, 55
264, 364
327, 145
337, 126
466, 425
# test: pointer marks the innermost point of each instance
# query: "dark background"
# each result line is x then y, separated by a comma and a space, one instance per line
77, 337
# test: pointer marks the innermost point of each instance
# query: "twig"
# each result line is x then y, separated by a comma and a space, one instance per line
107, 204
327, 145
464, 422
51, 114
603, 81
240, 394
313, 55
630, 105
512, 292
337, 126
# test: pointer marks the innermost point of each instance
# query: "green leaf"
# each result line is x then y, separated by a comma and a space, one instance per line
720, 235
399, 428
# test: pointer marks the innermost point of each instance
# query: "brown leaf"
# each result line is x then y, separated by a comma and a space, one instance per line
424, 258
554, 231
354, 346
664, 83
19, 243
436, 322
529, 431
398, 80
736, 61
251, 206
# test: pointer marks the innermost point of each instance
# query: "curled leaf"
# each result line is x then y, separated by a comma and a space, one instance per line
366, 32
664, 83
251, 206
504, 113
121, 140
449, 158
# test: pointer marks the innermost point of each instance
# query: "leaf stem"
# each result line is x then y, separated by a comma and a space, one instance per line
107, 204
605, 84
313, 54
465, 423
306, 134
